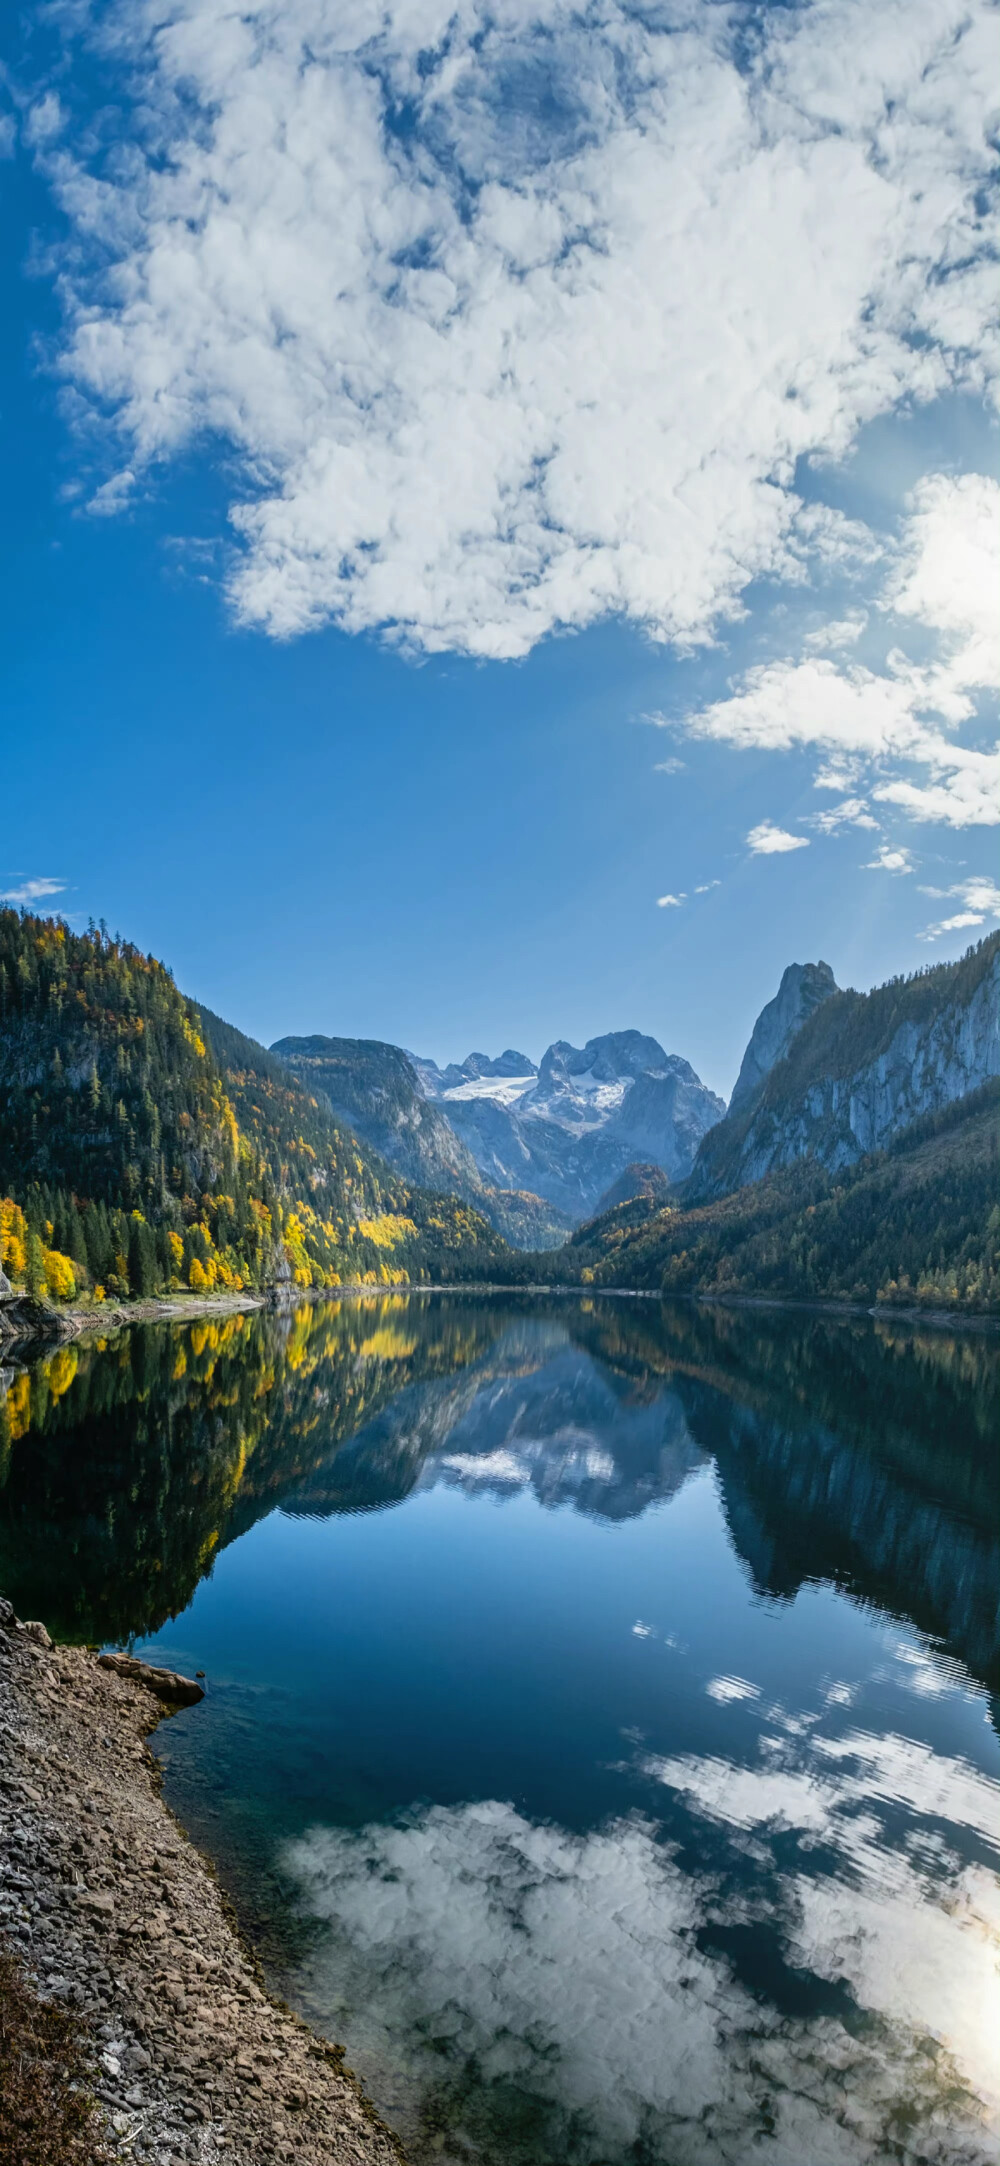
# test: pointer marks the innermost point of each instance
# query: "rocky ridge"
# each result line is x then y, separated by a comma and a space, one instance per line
856, 1071
114, 1915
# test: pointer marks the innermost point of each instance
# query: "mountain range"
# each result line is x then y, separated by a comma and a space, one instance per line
148, 1145
534, 1148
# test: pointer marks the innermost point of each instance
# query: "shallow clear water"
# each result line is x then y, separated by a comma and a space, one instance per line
598, 1737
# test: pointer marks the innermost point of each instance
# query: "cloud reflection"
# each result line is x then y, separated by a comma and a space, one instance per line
541, 1994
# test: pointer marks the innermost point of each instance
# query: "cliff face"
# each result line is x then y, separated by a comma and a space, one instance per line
803, 987
858, 1071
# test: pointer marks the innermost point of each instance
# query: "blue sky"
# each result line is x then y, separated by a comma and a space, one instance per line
498, 539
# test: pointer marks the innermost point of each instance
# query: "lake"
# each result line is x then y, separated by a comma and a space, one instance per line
600, 1736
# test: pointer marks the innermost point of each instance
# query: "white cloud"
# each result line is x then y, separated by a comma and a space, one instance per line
842, 632
980, 894
851, 812
884, 724
838, 774
8, 135
707, 886
981, 897
887, 859
947, 576
553, 350
965, 791
670, 902
766, 840
113, 494
31, 891
669, 767
957, 924
44, 121
781, 705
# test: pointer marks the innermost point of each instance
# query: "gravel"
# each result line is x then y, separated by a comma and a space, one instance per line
114, 1913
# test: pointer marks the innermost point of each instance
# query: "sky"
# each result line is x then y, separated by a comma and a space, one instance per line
501, 527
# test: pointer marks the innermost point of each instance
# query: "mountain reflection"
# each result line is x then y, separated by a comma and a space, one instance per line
856, 1453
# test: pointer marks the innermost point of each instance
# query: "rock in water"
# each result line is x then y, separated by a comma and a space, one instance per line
167, 1685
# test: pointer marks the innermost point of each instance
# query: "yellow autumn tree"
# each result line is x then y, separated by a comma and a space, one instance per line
13, 1240
60, 1278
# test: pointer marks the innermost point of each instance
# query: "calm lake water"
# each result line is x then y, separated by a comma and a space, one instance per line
598, 1738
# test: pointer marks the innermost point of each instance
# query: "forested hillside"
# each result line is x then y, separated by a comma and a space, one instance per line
129, 1164
919, 1223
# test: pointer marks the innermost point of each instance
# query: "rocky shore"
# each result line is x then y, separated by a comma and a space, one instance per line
23, 1318
113, 1914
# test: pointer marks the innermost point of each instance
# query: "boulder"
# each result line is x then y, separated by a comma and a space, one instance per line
167, 1685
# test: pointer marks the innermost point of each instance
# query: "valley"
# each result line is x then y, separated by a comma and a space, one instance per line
148, 1148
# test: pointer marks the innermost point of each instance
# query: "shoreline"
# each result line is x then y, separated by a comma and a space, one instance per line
62, 1326
113, 1913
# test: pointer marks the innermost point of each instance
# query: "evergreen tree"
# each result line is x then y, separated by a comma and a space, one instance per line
142, 1260
35, 1260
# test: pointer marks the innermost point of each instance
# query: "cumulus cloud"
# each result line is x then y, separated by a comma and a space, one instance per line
552, 349
32, 891
766, 840
473, 1958
707, 886
670, 902
981, 897
884, 724
888, 860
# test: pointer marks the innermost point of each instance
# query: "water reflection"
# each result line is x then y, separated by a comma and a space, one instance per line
604, 1702
863, 1455
600, 1996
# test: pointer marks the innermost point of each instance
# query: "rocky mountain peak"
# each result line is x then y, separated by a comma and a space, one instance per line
507, 1063
619, 1056
803, 988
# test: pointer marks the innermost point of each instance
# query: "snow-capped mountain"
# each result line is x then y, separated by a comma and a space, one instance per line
570, 1127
